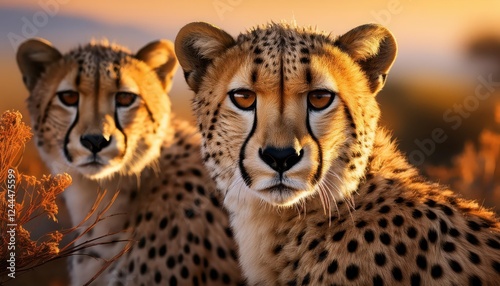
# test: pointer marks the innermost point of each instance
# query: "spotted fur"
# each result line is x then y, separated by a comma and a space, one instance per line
103, 115
320, 195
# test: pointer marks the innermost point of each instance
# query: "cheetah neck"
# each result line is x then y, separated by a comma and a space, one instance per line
255, 222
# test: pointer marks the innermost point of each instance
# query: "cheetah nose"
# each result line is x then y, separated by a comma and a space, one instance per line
94, 142
280, 159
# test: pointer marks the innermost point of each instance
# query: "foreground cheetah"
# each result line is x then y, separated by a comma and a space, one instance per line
317, 193
103, 115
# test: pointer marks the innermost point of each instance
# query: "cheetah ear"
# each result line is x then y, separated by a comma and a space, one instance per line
160, 56
374, 48
197, 45
33, 57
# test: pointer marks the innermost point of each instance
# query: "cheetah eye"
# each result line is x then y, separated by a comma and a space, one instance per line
320, 99
68, 97
243, 98
124, 99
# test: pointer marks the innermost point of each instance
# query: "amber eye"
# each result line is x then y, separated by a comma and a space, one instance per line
320, 99
68, 97
243, 98
124, 99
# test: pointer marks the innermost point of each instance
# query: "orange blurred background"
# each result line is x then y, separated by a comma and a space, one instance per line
449, 54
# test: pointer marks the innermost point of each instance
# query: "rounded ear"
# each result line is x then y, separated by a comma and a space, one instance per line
33, 57
160, 56
196, 45
374, 48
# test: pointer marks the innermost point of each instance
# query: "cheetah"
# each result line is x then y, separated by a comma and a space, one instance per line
317, 192
102, 114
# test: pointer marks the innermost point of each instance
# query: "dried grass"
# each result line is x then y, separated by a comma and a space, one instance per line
35, 198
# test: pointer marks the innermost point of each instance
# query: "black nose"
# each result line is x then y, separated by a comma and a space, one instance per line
94, 142
280, 159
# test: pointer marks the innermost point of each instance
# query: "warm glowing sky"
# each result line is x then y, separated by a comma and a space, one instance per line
430, 34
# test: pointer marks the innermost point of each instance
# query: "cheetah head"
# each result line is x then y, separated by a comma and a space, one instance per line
98, 110
286, 113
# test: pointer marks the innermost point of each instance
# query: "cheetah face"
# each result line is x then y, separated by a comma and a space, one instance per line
98, 110
286, 113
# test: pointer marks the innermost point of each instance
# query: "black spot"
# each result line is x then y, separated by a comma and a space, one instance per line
173, 281
496, 266
131, 266
432, 236
307, 279
397, 274
332, 267
416, 213
207, 244
411, 232
299, 238
214, 275
254, 76
200, 190
369, 236
352, 272
423, 244
473, 225
308, 76
163, 223
209, 216
371, 188
474, 258
196, 259
493, 243
162, 251
157, 277
421, 262
338, 236
368, 206
400, 249
472, 239
189, 213
431, 215
277, 249
384, 209
170, 262
443, 226
142, 242
378, 281
258, 60
138, 219
415, 279
221, 253
447, 210
399, 200
455, 266
152, 253
322, 255
361, 224
398, 220
352, 246
313, 244
436, 271
144, 268
385, 238
173, 232
430, 202
475, 281
148, 216
304, 60
257, 50
380, 259
382, 223
454, 232
448, 246
184, 272
226, 279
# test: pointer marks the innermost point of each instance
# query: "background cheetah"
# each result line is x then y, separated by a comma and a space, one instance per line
318, 194
103, 115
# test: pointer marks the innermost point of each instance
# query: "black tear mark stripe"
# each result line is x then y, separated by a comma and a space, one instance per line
246, 177
320, 151
119, 127
66, 138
